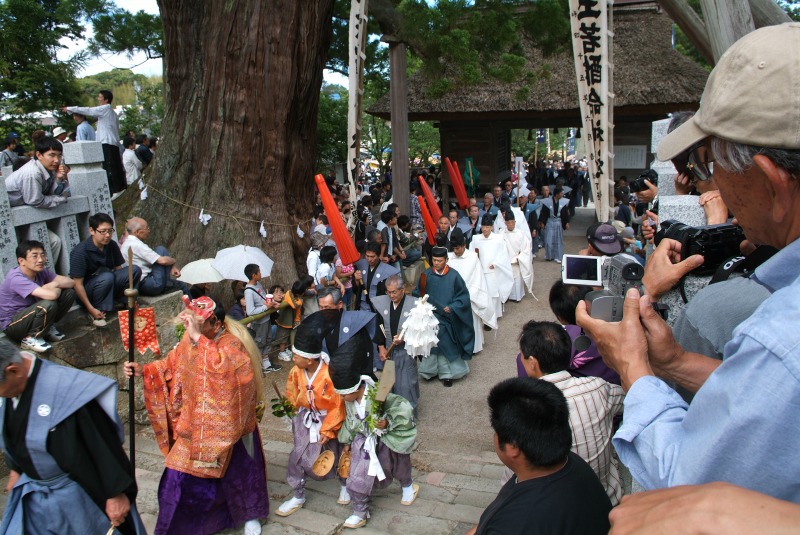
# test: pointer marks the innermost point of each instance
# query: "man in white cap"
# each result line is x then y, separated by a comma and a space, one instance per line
742, 425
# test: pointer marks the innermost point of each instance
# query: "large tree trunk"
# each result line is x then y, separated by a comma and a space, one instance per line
242, 82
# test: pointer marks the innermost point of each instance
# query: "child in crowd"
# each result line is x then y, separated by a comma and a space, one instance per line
319, 416
381, 435
237, 310
256, 303
290, 310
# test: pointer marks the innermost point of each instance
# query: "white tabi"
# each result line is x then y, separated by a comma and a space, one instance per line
518, 243
499, 277
483, 311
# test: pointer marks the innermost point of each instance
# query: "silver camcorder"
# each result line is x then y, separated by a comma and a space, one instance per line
614, 274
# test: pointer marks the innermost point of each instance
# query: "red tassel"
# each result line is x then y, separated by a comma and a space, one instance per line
458, 184
430, 226
436, 212
344, 241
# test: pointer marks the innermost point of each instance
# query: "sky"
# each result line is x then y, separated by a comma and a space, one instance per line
151, 67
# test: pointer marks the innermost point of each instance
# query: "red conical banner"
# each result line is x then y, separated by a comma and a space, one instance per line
344, 241
436, 212
430, 226
458, 185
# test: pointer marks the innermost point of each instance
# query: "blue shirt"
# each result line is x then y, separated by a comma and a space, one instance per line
84, 132
742, 426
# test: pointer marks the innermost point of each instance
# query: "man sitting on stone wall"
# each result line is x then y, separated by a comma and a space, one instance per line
33, 299
158, 267
97, 267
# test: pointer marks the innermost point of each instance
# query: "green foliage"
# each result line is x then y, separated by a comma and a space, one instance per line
122, 32
282, 407
31, 76
463, 43
423, 140
331, 127
792, 7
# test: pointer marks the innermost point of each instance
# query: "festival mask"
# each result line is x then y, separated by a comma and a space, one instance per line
203, 307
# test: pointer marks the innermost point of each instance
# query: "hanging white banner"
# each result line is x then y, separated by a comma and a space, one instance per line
591, 50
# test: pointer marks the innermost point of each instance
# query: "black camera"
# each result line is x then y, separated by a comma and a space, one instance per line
717, 243
636, 185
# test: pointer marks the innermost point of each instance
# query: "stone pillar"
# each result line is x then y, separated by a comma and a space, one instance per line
87, 177
8, 237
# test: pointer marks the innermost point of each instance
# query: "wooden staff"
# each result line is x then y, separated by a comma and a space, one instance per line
131, 293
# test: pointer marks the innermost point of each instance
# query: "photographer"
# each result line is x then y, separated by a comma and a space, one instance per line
725, 434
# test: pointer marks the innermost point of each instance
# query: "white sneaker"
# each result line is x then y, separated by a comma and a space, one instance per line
252, 527
344, 497
290, 506
285, 355
34, 344
354, 521
54, 335
98, 322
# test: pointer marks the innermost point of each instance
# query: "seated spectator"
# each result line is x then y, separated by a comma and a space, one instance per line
98, 268
33, 299
36, 184
158, 267
593, 402
603, 240
585, 360
133, 166
552, 490
409, 241
237, 310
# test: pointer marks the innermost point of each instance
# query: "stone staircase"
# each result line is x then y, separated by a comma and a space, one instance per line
454, 491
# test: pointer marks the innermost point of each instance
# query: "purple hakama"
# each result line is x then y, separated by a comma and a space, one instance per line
303, 455
203, 506
360, 485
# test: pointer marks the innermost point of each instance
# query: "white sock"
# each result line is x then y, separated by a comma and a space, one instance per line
252, 527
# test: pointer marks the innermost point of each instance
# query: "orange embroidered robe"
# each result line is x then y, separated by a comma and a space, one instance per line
325, 398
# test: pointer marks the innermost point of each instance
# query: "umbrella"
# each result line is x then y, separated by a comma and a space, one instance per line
200, 271
231, 262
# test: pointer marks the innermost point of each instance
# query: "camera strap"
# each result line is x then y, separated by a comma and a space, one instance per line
745, 265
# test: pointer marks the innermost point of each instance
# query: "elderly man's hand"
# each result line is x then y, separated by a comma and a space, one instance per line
683, 184
622, 345
664, 269
117, 508
715, 208
716, 508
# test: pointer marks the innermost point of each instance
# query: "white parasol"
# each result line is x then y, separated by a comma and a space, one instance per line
232, 261
200, 271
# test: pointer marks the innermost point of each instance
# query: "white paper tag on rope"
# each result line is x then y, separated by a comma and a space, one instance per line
262, 230
204, 218
141, 184
143, 193
300, 232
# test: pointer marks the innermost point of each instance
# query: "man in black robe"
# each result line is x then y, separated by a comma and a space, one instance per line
62, 440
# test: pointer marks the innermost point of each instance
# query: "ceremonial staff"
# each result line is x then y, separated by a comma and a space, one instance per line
131, 293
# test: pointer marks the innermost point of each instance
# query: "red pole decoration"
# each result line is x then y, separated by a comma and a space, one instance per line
430, 226
436, 212
458, 185
343, 239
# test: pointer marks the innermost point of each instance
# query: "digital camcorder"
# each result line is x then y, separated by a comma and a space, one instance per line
717, 243
615, 274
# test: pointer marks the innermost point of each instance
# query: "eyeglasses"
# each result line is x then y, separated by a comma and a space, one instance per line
106, 231
701, 170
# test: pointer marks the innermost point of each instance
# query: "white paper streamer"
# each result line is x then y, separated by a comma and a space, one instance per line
143, 193
262, 230
300, 232
204, 218
421, 329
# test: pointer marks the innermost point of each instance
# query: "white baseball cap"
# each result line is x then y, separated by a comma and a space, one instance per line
752, 96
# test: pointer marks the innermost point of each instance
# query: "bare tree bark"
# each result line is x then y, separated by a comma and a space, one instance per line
768, 13
726, 22
691, 24
242, 82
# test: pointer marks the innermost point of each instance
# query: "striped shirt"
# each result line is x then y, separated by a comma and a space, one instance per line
593, 404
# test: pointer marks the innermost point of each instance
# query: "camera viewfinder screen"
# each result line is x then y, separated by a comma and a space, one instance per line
582, 270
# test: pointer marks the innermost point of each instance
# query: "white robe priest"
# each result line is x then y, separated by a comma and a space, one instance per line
518, 244
469, 267
493, 255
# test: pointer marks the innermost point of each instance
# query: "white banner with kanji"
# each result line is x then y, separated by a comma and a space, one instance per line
590, 46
